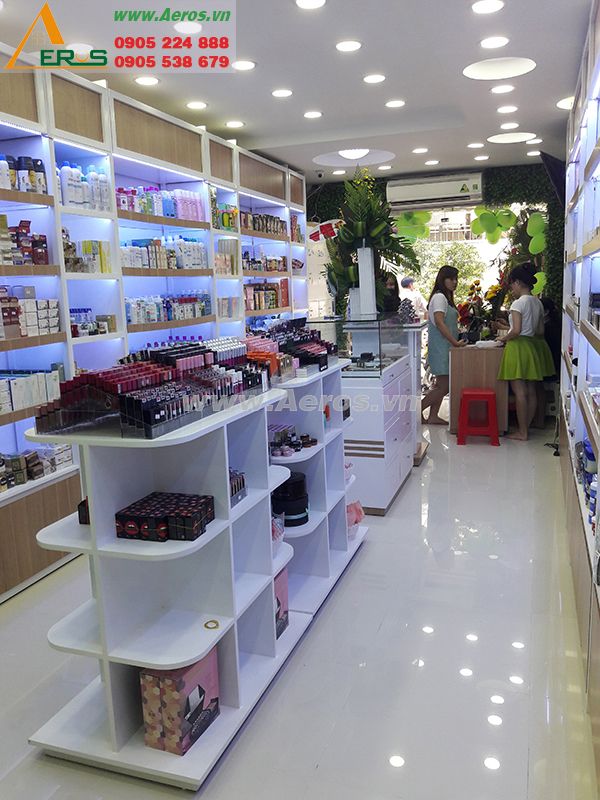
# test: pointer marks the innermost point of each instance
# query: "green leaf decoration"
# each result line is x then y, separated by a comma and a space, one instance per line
408, 232
494, 236
506, 219
536, 225
422, 217
477, 227
488, 221
479, 210
537, 244
542, 280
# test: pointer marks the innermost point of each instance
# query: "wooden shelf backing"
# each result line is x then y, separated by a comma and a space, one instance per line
267, 312
570, 310
568, 365
275, 237
591, 166
29, 270
592, 247
271, 274
591, 334
166, 273
17, 416
170, 222
173, 323
572, 256
28, 198
31, 341
575, 199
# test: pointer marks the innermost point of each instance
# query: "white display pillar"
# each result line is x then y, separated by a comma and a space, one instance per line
366, 281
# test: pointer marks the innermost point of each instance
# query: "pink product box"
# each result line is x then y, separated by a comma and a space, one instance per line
282, 613
189, 704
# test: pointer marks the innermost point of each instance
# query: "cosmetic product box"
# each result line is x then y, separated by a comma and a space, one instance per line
179, 705
291, 499
237, 487
23, 292
160, 516
282, 610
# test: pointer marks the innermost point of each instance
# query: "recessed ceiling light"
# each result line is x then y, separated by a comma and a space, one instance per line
494, 42
310, 5
472, 637
397, 761
395, 103
497, 699
499, 69
282, 93
147, 80
487, 6
492, 763
510, 138
507, 109
466, 672
431, 163
349, 46
518, 681
518, 645
243, 66
566, 104
495, 720
533, 153
235, 123
232, 141
375, 78
427, 629
313, 114
420, 150
354, 155
188, 27
493, 556
481, 158
384, 167
504, 88
476, 145
196, 105
535, 141
509, 126
80, 48
339, 172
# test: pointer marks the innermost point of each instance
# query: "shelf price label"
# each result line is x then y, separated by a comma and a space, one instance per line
197, 36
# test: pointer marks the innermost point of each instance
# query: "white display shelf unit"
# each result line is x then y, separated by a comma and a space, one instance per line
151, 600
322, 546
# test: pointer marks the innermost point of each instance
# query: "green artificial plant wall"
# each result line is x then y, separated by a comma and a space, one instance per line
527, 184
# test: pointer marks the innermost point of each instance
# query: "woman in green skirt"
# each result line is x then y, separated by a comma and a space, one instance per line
527, 358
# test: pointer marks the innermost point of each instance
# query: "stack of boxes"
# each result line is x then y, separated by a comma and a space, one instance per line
24, 389
37, 317
19, 246
16, 469
90, 256
265, 296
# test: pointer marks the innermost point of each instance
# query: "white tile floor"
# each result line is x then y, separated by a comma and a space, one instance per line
474, 547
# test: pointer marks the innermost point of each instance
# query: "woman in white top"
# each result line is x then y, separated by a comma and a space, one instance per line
527, 358
442, 335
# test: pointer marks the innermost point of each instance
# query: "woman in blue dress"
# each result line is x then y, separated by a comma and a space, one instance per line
443, 334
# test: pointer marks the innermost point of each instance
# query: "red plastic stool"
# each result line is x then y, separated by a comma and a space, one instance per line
468, 428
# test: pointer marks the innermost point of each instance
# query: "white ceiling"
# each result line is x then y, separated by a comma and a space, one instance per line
422, 46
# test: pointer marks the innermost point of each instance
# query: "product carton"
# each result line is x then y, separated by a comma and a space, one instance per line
189, 703
282, 616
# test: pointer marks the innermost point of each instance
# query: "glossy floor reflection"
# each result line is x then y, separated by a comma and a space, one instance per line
446, 664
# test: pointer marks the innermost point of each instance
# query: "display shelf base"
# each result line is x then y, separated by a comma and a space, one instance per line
253, 497
78, 632
314, 520
140, 550
297, 458
277, 476
283, 557
79, 732
66, 536
248, 586
307, 593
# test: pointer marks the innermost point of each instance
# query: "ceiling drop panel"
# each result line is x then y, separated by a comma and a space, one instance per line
77, 109
152, 136
17, 93
260, 177
221, 161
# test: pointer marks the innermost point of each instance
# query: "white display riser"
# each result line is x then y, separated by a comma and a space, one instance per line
380, 439
151, 600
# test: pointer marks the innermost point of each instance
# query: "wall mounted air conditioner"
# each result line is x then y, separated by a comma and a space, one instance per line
450, 191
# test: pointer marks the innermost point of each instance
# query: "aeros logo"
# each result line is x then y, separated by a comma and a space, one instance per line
58, 56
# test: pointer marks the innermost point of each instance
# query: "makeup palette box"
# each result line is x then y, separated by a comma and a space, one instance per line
282, 612
188, 699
